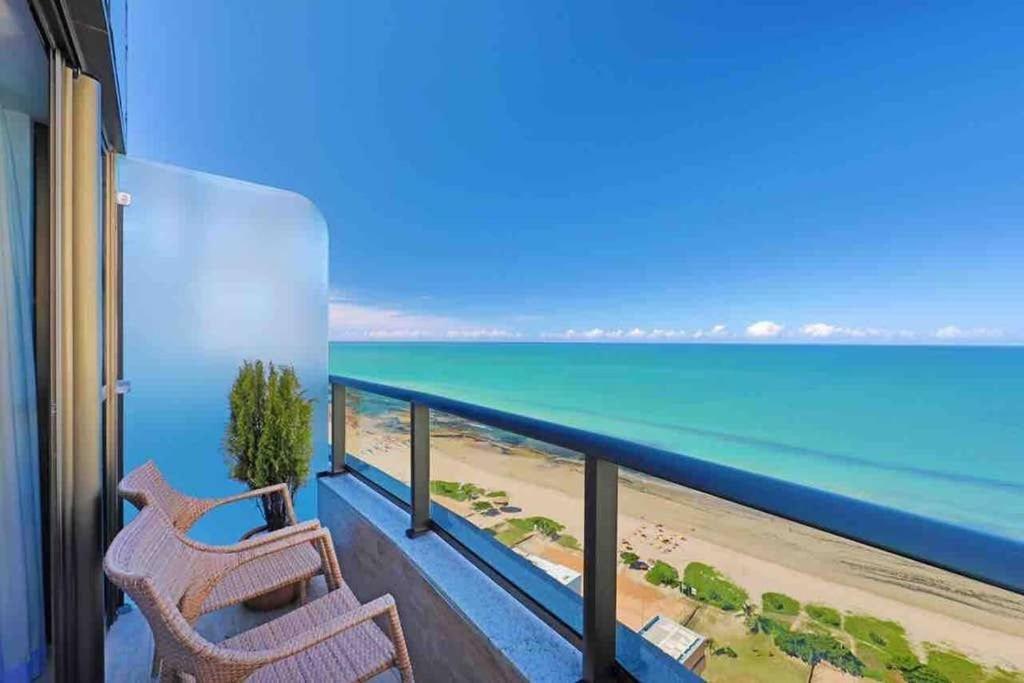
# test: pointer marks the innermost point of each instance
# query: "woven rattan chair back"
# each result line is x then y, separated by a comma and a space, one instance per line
149, 562
145, 485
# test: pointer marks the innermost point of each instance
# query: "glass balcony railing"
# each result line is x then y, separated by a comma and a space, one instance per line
666, 566
377, 433
759, 597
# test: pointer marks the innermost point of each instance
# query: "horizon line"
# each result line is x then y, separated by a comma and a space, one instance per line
722, 342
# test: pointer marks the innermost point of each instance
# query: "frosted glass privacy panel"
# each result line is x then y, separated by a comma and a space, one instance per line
216, 271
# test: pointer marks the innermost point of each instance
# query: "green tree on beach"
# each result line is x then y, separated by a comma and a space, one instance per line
810, 647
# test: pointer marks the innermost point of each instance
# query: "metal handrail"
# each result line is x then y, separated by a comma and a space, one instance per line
992, 559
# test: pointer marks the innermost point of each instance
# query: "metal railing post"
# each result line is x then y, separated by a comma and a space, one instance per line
419, 454
337, 427
600, 539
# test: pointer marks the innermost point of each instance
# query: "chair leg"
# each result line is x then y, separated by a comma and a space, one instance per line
155, 670
401, 650
329, 562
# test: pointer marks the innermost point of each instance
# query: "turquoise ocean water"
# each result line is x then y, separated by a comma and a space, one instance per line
934, 430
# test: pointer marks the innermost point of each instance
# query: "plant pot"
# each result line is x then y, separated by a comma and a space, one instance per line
277, 598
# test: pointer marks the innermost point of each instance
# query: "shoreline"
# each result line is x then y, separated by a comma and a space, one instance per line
758, 552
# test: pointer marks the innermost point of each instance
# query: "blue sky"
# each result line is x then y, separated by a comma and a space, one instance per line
651, 171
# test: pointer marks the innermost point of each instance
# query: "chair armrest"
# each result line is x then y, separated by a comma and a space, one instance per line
277, 545
254, 542
253, 493
252, 660
329, 629
222, 560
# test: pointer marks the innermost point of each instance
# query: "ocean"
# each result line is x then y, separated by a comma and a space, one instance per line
938, 431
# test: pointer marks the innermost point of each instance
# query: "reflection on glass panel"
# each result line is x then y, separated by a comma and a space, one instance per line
377, 432
739, 595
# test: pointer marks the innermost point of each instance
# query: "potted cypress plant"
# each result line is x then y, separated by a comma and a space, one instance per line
269, 440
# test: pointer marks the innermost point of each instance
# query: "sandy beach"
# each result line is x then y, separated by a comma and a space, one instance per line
756, 551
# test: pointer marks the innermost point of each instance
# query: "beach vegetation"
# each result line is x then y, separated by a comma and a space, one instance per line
874, 662
779, 603
547, 526
571, 542
482, 506
497, 494
269, 435
521, 523
663, 574
824, 615
455, 490
707, 584
472, 491
819, 647
955, 666
628, 557
913, 671
766, 625
544, 525
757, 657
512, 532
810, 647
888, 636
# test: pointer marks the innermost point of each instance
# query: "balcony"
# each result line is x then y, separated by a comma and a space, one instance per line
822, 587
516, 549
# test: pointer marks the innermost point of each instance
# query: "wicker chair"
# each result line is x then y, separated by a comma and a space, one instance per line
145, 485
332, 638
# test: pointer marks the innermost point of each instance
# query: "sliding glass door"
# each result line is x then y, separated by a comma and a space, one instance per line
23, 109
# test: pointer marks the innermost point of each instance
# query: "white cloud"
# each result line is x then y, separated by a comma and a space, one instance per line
764, 329
482, 333
351, 321
819, 330
826, 330
658, 333
951, 332
718, 331
830, 331
396, 334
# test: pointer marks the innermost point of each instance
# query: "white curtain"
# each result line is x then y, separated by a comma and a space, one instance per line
22, 634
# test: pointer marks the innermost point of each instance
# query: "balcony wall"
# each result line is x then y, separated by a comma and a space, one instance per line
460, 625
